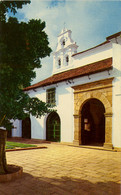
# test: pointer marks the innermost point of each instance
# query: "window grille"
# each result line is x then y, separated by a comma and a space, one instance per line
50, 96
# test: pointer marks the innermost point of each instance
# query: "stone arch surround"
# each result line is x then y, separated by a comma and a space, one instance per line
101, 90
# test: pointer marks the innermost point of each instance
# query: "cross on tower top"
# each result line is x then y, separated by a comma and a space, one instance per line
64, 25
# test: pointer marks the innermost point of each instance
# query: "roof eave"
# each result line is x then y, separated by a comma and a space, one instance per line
113, 36
73, 77
91, 48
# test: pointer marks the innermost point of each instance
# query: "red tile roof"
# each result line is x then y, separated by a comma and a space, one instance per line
114, 35
74, 73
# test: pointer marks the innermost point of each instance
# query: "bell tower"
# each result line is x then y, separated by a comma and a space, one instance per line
66, 47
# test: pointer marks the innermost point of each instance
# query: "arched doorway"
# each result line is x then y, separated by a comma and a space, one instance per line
93, 123
53, 127
26, 128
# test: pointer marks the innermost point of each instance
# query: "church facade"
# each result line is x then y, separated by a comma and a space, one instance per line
85, 88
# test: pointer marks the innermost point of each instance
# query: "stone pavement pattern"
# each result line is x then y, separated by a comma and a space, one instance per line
65, 170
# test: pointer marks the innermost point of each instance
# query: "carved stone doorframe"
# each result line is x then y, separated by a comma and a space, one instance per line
101, 90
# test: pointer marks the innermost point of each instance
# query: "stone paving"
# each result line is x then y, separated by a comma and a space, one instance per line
65, 170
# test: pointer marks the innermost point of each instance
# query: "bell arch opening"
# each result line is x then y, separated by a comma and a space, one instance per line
93, 122
26, 128
53, 127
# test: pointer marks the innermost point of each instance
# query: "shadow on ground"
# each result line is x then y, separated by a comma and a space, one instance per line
30, 185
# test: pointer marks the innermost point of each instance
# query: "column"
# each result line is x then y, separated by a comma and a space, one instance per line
108, 130
77, 130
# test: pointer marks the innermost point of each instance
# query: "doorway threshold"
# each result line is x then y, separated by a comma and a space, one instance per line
94, 147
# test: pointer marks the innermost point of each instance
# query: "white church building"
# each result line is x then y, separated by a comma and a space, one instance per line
85, 88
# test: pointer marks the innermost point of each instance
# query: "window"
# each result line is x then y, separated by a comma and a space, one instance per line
63, 42
50, 96
67, 60
59, 63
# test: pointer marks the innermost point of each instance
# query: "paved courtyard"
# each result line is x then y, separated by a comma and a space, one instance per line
65, 170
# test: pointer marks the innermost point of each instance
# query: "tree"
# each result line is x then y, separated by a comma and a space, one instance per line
12, 6
22, 45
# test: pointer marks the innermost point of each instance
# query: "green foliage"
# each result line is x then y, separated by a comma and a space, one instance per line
5, 6
22, 45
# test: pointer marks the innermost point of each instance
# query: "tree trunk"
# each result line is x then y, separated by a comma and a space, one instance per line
3, 163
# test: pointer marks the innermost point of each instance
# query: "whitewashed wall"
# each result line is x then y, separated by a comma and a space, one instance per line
93, 55
64, 107
117, 95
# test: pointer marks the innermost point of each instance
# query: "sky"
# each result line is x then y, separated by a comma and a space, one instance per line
90, 22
